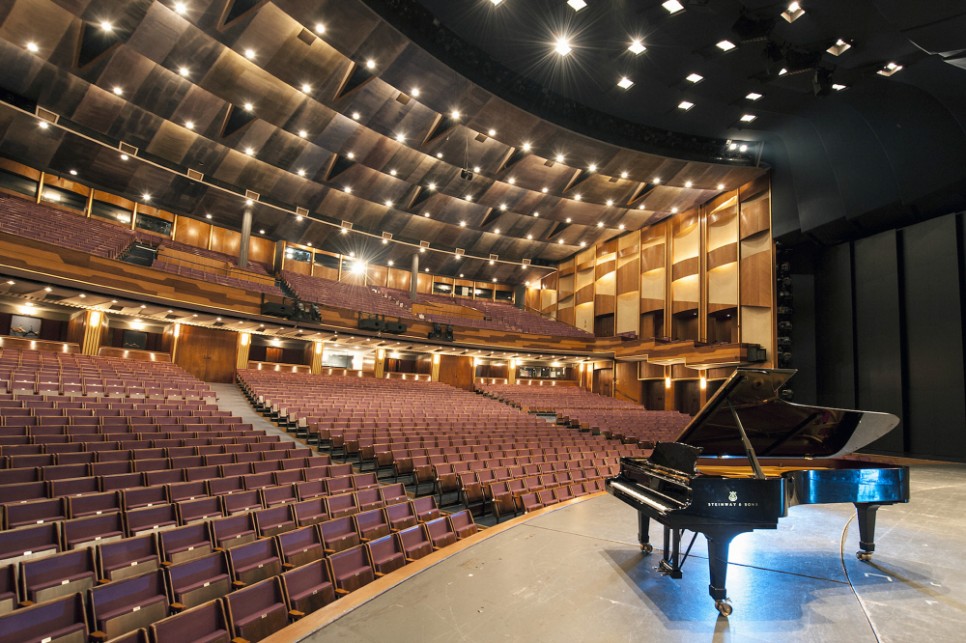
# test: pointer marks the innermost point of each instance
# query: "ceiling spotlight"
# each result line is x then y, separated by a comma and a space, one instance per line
526, 146
610, 202
782, 71
431, 185
578, 197
189, 124
620, 227
839, 87
250, 53
303, 133
839, 48
146, 197
583, 244
118, 90
559, 158
73, 172
560, 241
569, 220
685, 105
261, 231
562, 46
625, 83
491, 132
250, 151
400, 138
319, 28
124, 157
455, 115
694, 78
347, 189
208, 216
477, 169
343, 230
742, 148
674, 210
426, 214
600, 224
350, 155
576, 5
726, 45
356, 116
636, 47
106, 26
248, 107
422, 250
793, 12
688, 184
439, 155
393, 172
306, 88
370, 64
592, 167
530, 237
889, 69
511, 181
301, 172
753, 96
656, 180
388, 203
468, 197
391, 262
545, 189
536, 213
462, 224
503, 207
495, 231
299, 218
721, 186
747, 118
32, 47
672, 6
184, 71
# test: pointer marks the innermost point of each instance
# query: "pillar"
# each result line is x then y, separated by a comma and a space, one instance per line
175, 335
379, 368
414, 277
92, 332
246, 236
702, 389
511, 371
434, 371
318, 354
243, 347
669, 404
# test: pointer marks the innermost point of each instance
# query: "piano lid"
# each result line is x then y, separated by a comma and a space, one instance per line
777, 428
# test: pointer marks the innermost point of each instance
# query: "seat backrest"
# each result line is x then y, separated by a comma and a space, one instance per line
181, 538
61, 617
41, 573
257, 610
206, 621
128, 594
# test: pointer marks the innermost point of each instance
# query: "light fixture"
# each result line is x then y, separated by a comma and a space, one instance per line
370, 64
455, 115
636, 47
620, 227
562, 46
559, 158
43, 124
261, 231
388, 203
674, 210
839, 86
688, 184
184, 71
250, 53
400, 137
782, 71
495, 231
189, 124
358, 267
747, 118
250, 151
73, 172
694, 78
439, 155
494, 280
477, 169
32, 47
468, 197
392, 172
610, 202
600, 224
685, 105
390, 263
180, 8
248, 107
569, 220
306, 88
491, 132
526, 146
536, 213
672, 6
462, 224
146, 197
530, 237
503, 207
578, 197
350, 155
625, 83
118, 90
106, 26
576, 5
753, 96
721, 186
656, 180
592, 167
124, 157
347, 189
889, 69
511, 181
793, 12
319, 28
560, 241
726, 45
356, 116
303, 133
301, 172
545, 189
208, 216
839, 48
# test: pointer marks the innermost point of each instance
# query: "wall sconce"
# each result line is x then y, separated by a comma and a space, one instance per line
95, 317
667, 382
703, 382
318, 348
245, 338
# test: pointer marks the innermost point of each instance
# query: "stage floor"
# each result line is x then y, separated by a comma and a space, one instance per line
577, 574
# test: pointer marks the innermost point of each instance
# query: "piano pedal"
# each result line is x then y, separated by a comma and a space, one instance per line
668, 569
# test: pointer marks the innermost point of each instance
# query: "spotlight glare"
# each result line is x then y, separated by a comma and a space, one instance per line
562, 46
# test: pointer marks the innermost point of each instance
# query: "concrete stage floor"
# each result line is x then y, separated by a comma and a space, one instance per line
577, 574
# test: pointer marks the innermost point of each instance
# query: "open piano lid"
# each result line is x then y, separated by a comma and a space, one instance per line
777, 428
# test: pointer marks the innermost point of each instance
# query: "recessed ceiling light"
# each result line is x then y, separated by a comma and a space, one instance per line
391, 262
347, 189
250, 53
503, 207
468, 197
299, 218
688, 184
494, 3
721, 186
747, 118
426, 214
106, 26
889, 69
793, 12
431, 185
180, 8
578, 197
146, 196
350, 155
494, 280
306, 88
32, 47
560, 158
511, 181
636, 47
462, 224
388, 203
625, 83
560, 241
491, 132
495, 231
620, 227
562, 46
477, 169
526, 146
309, 244
726, 45
261, 231
189, 124
583, 244
685, 105
250, 151
455, 114
753, 96
600, 224
393, 172
184, 71
839, 48
569, 220
672, 6
370, 64
592, 167
545, 189
839, 86
400, 137
439, 155
674, 210
782, 71
208, 216
319, 28
694, 78
124, 157
742, 148
343, 230
610, 202
73, 172
301, 172
576, 5
248, 107
530, 237
118, 90
303, 133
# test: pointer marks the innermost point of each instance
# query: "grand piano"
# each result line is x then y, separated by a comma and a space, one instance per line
747, 457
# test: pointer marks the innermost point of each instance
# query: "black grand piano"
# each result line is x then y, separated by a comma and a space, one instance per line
766, 455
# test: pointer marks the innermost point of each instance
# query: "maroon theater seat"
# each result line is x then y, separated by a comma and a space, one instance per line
386, 554
351, 569
300, 546
254, 561
123, 606
257, 611
307, 588
197, 581
128, 557
206, 623
61, 620
59, 575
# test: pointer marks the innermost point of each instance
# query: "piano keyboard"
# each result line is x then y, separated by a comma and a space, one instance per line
637, 495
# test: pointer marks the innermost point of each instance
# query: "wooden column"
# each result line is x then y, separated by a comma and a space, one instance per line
244, 347
92, 332
668, 390
175, 336
434, 370
511, 371
379, 367
703, 388
318, 353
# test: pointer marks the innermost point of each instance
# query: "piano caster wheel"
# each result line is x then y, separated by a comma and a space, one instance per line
724, 607
647, 548
864, 556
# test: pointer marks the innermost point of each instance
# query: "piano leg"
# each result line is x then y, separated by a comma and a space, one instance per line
866, 514
643, 532
719, 542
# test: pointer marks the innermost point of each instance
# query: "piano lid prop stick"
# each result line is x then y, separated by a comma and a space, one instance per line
745, 441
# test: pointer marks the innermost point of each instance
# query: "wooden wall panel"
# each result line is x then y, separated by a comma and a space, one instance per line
192, 232
225, 241
262, 250
457, 371
207, 353
626, 385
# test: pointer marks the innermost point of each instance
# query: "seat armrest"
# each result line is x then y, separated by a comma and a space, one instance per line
288, 566
97, 635
177, 607
341, 592
296, 614
237, 584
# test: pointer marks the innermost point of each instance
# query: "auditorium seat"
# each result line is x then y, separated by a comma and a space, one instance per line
310, 512
127, 557
254, 561
461, 522
147, 519
440, 533
300, 546
62, 620
232, 531
273, 521
92, 530
189, 511
308, 587
338, 534
57, 575
401, 516
387, 554
28, 542
126, 605
371, 524
185, 543
341, 505
93, 504
9, 597
194, 582
425, 508
205, 623
351, 569
256, 611
415, 542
